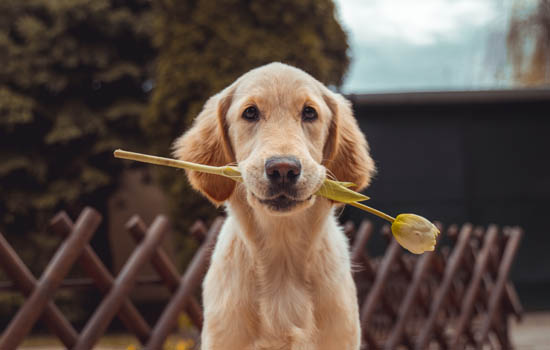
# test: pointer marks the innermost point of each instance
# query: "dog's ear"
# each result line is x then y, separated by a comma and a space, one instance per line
346, 151
207, 142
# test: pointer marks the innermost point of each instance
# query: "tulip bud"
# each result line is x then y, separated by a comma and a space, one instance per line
414, 233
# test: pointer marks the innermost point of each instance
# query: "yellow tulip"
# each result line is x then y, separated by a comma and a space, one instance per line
340, 192
414, 233
411, 231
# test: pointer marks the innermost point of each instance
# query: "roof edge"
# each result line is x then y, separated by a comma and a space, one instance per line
451, 97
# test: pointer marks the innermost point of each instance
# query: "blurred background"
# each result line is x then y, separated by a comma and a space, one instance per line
453, 96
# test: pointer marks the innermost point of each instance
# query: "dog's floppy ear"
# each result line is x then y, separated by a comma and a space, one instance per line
207, 142
346, 150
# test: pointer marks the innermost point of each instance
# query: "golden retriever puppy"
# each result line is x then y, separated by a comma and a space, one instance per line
280, 274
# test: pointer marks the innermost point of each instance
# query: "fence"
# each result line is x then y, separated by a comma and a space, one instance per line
451, 298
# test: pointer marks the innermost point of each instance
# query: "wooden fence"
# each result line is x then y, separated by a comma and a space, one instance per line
456, 297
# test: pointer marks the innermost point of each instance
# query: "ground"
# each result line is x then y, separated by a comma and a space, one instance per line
530, 334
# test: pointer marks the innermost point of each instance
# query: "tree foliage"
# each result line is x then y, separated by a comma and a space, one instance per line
75, 82
528, 42
71, 90
204, 45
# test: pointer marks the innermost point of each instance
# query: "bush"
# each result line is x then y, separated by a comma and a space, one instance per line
71, 90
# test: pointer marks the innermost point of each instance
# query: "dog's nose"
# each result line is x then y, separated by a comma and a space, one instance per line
281, 170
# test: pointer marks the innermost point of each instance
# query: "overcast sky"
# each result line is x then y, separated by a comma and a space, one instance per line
404, 45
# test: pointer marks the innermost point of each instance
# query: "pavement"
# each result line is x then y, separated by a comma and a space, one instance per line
532, 333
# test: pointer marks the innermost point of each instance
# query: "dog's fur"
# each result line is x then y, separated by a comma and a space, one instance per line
279, 279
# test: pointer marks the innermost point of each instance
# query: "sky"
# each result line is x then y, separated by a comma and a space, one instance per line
404, 45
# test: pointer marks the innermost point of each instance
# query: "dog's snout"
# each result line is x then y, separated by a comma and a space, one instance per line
282, 170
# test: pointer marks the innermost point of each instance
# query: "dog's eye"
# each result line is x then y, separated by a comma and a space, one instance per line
309, 114
251, 114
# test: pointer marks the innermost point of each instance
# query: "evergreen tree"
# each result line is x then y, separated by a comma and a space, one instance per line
73, 84
75, 79
204, 45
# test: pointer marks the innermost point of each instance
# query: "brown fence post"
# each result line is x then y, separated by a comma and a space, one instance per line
442, 292
26, 283
166, 269
376, 292
56, 270
474, 286
103, 279
110, 305
361, 238
499, 287
188, 283
422, 266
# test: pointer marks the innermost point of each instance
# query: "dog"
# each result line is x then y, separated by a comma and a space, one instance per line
280, 274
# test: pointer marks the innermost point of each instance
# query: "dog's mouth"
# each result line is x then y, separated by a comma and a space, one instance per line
282, 203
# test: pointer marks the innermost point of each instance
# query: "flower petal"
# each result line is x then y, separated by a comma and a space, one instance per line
339, 192
414, 233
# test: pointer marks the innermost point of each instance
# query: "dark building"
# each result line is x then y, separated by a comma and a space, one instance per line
477, 156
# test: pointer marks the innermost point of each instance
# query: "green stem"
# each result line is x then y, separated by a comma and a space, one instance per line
234, 174
373, 211
167, 162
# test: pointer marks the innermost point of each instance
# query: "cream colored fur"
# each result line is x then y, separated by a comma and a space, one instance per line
278, 280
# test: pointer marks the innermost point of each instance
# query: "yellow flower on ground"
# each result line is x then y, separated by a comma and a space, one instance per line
131, 347
414, 233
185, 344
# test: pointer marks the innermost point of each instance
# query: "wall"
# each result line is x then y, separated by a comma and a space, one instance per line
480, 157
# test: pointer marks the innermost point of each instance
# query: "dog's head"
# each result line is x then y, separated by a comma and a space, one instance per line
285, 130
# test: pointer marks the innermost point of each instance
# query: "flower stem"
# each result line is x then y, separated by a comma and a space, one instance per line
167, 162
234, 174
373, 211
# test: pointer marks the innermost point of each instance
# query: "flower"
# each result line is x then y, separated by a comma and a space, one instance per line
340, 192
414, 233
411, 231
185, 344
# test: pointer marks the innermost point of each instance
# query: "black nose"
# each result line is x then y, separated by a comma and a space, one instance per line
282, 170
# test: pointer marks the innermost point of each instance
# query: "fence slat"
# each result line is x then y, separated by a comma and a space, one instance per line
373, 298
188, 283
420, 270
26, 283
438, 301
361, 238
166, 269
110, 305
474, 286
499, 287
56, 270
92, 265
84, 283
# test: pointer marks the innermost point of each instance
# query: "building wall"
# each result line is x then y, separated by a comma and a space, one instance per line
466, 157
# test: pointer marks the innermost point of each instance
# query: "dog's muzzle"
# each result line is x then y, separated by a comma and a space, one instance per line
283, 173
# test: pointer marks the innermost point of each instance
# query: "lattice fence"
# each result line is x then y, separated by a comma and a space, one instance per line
456, 297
